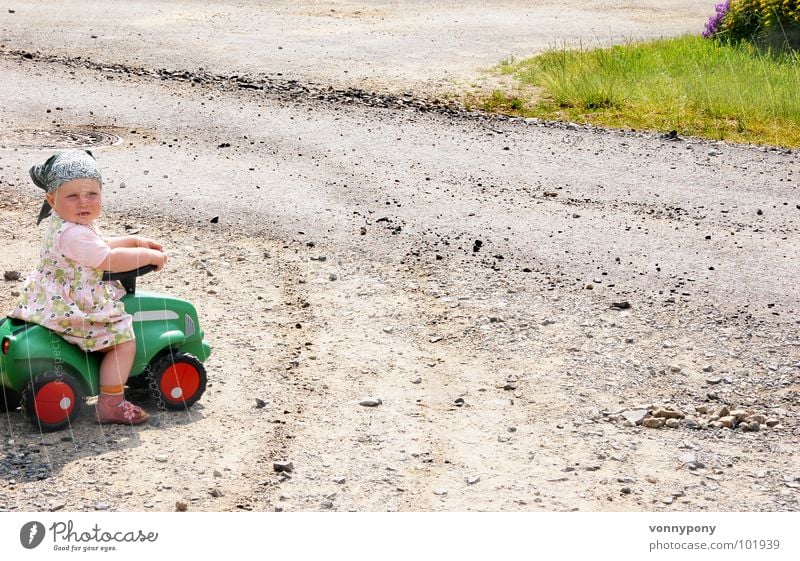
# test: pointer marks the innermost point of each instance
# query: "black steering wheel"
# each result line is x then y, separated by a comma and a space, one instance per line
128, 278
122, 275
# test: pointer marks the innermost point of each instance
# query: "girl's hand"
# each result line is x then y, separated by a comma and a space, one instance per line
158, 258
148, 243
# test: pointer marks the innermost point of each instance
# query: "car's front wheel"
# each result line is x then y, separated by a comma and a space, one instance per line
178, 380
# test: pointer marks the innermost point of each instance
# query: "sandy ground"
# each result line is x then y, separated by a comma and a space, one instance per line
463, 270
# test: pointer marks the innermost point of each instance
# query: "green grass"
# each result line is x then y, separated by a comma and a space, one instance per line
695, 86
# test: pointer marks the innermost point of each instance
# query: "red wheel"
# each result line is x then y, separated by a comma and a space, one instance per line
178, 380
52, 400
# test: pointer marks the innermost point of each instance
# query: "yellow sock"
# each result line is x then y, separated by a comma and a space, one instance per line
113, 390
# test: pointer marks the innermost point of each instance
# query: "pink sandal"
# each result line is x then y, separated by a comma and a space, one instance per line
117, 409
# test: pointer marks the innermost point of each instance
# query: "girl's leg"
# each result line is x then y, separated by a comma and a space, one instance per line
112, 407
116, 365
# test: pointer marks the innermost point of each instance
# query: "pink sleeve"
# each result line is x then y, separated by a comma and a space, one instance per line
83, 245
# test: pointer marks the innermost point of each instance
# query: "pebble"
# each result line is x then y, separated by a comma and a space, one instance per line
653, 423
283, 466
12, 275
181, 506
370, 402
440, 491
416, 381
668, 414
635, 415
327, 505
339, 480
672, 423
102, 506
260, 403
473, 479
162, 458
215, 492
713, 380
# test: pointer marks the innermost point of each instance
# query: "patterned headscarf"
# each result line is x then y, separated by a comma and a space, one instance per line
63, 167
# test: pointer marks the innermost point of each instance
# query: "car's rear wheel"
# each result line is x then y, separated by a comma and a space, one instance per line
178, 380
52, 400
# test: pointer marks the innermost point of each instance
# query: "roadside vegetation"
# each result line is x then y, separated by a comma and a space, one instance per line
718, 86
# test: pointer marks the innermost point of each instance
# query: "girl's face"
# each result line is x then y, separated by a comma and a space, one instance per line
78, 200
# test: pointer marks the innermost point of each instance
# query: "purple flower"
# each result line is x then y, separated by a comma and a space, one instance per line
712, 26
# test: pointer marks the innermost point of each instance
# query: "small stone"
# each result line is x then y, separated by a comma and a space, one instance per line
739, 414
728, 421
653, 423
723, 412
473, 479
548, 322
215, 220
370, 402
327, 505
181, 506
459, 402
713, 380
217, 473
702, 409
388, 329
260, 403
760, 419
102, 506
620, 305
440, 491
12, 275
332, 277
668, 414
215, 492
690, 423
162, 458
283, 466
625, 491
672, 423
339, 480
708, 368
416, 380
772, 422
715, 425
753, 426
635, 416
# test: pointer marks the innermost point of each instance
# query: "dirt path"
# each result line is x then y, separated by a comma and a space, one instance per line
460, 269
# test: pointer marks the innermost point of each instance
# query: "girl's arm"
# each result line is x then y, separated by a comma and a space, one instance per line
129, 258
133, 241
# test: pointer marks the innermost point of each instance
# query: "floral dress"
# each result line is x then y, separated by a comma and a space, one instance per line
72, 299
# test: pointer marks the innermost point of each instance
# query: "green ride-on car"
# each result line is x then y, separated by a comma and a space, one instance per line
48, 377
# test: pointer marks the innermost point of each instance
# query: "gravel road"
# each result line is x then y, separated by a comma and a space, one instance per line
543, 317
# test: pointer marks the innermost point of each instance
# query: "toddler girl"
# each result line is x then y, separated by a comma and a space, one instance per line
66, 294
